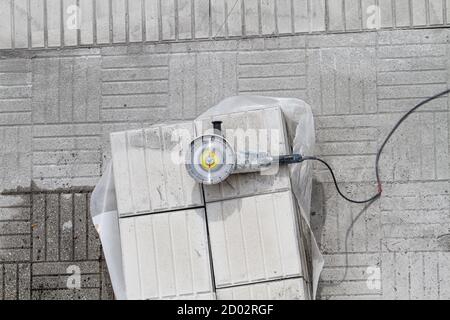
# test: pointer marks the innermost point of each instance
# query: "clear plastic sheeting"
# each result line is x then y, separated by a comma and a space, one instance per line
299, 122
106, 221
300, 130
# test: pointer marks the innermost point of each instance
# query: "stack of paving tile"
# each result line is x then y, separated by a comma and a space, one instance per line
239, 239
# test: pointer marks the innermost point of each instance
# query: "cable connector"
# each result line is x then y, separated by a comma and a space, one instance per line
289, 159
380, 189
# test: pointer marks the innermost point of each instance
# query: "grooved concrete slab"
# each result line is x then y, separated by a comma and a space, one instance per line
165, 255
149, 167
254, 239
291, 289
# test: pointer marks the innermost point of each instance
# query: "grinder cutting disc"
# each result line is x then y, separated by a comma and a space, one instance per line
210, 159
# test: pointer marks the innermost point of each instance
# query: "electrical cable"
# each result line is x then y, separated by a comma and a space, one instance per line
377, 159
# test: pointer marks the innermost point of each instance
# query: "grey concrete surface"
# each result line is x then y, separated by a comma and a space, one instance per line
57, 108
68, 23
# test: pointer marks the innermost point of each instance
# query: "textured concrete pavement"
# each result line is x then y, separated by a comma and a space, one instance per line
57, 108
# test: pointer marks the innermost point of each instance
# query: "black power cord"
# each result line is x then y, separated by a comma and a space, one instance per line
377, 159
